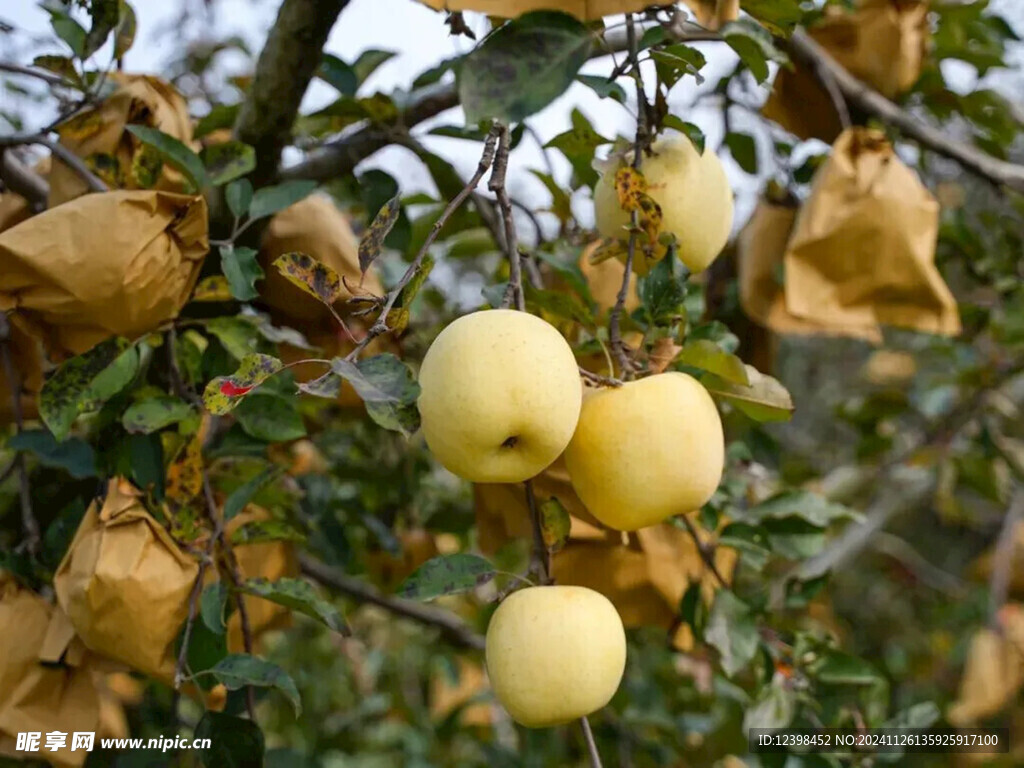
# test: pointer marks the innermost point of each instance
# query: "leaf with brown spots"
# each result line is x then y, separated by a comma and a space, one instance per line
373, 241
184, 479
312, 276
224, 392
212, 288
554, 524
629, 185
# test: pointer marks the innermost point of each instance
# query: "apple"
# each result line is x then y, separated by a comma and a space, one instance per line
646, 451
695, 198
500, 396
555, 654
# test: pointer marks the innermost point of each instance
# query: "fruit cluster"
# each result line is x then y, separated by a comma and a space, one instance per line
501, 399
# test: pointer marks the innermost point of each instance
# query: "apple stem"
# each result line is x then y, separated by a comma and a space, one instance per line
540, 559
588, 736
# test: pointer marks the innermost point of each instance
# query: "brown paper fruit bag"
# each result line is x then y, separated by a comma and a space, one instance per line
862, 252
35, 697
882, 42
112, 263
27, 360
761, 250
510, 9
125, 584
99, 136
468, 695
714, 14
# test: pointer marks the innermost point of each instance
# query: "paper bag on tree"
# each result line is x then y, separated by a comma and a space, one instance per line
714, 14
862, 252
27, 361
37, 697
112, 263
125, 584
761, 250
881, 42
99, 137
586, 10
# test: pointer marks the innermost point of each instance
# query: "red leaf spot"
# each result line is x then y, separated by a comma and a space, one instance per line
230, 389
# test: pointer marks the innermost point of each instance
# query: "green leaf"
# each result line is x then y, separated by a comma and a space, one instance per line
379, 379
811, 507
447, 575
235, 742
338, 74
568, 306
708, 356
155, 413
70, 31
236, 335
298, 595
676, 61
750, 541
554, 524
395, 417
774, 708
778, 16
240, 669
603, 87
754, 46
228, 161
262, 531
105, 15
689, 130
270, 200
241, 267
312, 276
372, 241
523, 66
661, 292
59, 65
368, 62
124, 36
743, 149
239, 196
212, 604
732, 631
147, 463
75, 455
219, 117
174, 152
71, 391
241, 496
839, 668
206, 649
270, 418
764, 400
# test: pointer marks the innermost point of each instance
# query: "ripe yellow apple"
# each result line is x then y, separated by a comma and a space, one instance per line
647, 450
555, 654
500, 396
695, 198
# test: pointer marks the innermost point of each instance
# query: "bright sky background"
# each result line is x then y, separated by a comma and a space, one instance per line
421, 38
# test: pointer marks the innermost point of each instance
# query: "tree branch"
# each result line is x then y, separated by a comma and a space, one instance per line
452, 628
514, 294
60, 152
288, 61
998, 172
22, 180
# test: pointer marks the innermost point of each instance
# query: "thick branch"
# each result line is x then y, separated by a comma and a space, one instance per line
287, 63
453, 629
999, 172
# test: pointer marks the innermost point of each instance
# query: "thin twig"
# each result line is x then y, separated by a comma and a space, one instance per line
62, 153
588, 736
28, 519
604, 381
452, 628
193, 612
614, 319
1002, 562
514, 295
707, 553
50, 78
22, 180
381, 325
540, 557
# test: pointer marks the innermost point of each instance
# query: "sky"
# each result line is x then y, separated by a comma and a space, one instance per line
421, 38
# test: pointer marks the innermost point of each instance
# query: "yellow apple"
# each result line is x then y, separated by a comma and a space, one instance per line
695, 198
555, 654
646, 451
500, 396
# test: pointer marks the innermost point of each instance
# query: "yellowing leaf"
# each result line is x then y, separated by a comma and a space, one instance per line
373, 241
312, 276
212, 288
184, 480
